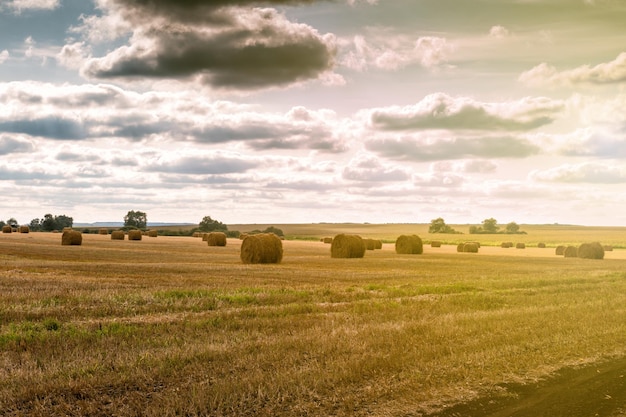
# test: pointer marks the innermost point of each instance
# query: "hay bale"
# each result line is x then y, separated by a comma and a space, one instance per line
135, 234
153, 233
470, 247
593, 250
327, 240
7, 229
347, 246
370, 244
242, 236
118, 235
103, 231
459, 247
216, 239
541, 245
262, 248
409, 245
608, 248
24, 229
435, 244
378, 244
560, 250
506, 245
520, 245
72, 237
197, 234
570, 252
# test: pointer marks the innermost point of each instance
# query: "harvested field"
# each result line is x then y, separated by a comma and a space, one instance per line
173, 327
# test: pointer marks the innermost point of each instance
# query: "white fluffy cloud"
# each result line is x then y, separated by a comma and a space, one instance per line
20, 5
382, 49
587, 172
605, 73
4, 56
441, 111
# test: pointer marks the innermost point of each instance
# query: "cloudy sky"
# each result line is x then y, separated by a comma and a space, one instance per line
290, 111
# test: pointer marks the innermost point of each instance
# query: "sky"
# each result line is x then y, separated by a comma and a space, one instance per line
307, 111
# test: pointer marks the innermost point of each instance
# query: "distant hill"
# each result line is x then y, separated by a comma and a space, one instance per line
121, 224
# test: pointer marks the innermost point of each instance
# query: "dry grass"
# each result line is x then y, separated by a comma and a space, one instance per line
171, 327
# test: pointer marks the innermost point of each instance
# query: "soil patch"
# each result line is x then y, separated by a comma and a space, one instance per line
595, 390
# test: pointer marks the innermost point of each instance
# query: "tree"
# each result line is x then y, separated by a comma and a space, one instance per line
512, 228
35, 225
438, 225
50, 222
136, 219
12, 222
209, 225
490, 225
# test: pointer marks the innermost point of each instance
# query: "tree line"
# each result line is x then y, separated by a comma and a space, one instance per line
489, 226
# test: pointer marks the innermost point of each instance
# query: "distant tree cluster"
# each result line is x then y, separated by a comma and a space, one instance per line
136, 220
207, 224
271, 229
438, 225
490, 226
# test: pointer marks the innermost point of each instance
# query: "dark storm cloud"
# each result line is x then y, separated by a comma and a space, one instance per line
249, 49
457, 148
48, 127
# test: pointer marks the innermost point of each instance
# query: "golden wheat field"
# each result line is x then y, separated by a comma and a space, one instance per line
170, 326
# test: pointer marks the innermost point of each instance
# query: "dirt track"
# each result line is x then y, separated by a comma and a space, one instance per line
596, 390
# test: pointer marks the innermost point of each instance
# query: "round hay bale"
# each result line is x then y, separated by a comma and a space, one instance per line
378, 244
570, 252
370, 244
409, 245
347, 246
608, 248
72, 237
459, 247
216, 239
327, 240
520, 245
262, 248
541, 245
153, 233
560, 250
24, 229
7, 229
593, 250
470, 247
197, 234
435, 244
135, 234
506, 245
118, 235
242, 236
103, 231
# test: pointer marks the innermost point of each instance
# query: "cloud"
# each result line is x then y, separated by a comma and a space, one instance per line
48, 127
10, 146
106, 111
383, 49
499, 32
425, 148
73, 55
21, 5
588, 172
4, 56
441, 111
368, 168
592, 142
605, 73
214, 43
213, 164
